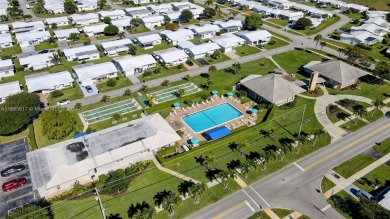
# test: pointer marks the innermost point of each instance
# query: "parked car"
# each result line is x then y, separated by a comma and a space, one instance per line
43, 51
63, 102
189, 63
13, 184
12, 169
387, 114
89, 89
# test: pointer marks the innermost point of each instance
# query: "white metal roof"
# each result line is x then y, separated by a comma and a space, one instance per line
5, 38
82, 49
148, 38
172, 55
255, 35
82, 17
35, 24
112, 13
124, 22
91, 70
136, 8
56, 20
6, 63
10, 88
35, 60
130, 62
185, 44
230, 23
229, 41
206, 28
116, 43
65, 32
179, 34
152, 19
203, 48
99, 28
4, 27
45, 81
28, 36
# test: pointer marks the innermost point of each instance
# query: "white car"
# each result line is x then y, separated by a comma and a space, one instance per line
63, 102
28, 6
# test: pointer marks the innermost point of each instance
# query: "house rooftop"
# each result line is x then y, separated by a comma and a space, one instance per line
8, 89
151, 19
172, 55
45, 81
28, 36
255, 35
116, 44
131, 62
206, 28
65, 32
34, 24
203, 48
229, 41
5, 38
56, 20
112, 13
91, 70
148, 38
38, 59
178, 35
78, 50
99, 28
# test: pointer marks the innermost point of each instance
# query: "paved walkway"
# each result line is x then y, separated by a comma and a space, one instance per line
240, 182
271, 214
85, 123
181, 176
295, 214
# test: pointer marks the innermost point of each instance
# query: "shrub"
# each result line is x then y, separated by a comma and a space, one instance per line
111, 82
188, 102
56, 94
272, 42
346, 102
103, 178
333, 108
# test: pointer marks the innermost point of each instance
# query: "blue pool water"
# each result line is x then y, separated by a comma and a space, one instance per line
211, 117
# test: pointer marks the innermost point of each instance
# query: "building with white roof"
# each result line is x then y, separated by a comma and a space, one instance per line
173, 15
288, 15
171, 57
254, 38
184, 45
138, 12
148, 41
229, 42
159, 9
5, 40
200, 51
174, 37
114, 15
45, 82
60, 21
4, 4
55, 168
84, 19
83, 53
206, 31
248, 4
372, 28
144, 1
8, 89
378, 21
230, 26
37, 62
27, 39
388, 51
4, 28
264, 10
64, 34
376, 14
86, 5
359, 37
279, 4
123, 23
6, 68
354, 8
152, 21
94, 30
312, 11
112, 48
34, 26
134, 65
195, 9
91, 73
54, 6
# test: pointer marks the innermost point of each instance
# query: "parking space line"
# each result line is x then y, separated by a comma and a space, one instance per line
19, 197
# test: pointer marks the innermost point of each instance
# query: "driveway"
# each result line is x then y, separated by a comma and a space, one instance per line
10, 154
28, 49
232, 54
202, 62
85, 92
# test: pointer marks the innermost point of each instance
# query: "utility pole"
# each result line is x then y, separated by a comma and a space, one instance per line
97, 198
303, 116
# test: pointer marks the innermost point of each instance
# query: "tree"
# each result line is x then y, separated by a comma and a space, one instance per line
376, 104
169, 202
3, 18
181, 92
116, 182
209, 160
55, 59
151, 100
157, 71
253, 21
316, 134
127, 92
111, 82
107, 20
105, 99
57, 123
165, 83
171, 26
359, 112
144, 88
355, 54
13, 121
212, 69
382, 70
70, 7
218, 10
187, 77
29, 17
233, 14
301, 139
341, 51
225, 176
216, 54
74, 36
208, 3
303, 23
167, 20
388, 17
186, 15
132, 50
40, 8
111, 30
209, 12
29, 211
56, 94
135, 22
121, 35
54, 25
116, 116
322, 44
102, 3
245, 169
51, 40
236, 67
318, 39
196, 190
78, 106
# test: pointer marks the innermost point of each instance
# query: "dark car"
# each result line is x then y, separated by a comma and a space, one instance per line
387, 114
13, 184
189, 63
43, 51
89, 89
12, 169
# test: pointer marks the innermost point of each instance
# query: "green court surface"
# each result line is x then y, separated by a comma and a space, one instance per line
171, 93
105, 112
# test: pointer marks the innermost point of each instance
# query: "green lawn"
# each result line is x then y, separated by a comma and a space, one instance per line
352, 126
326, 23
381, 174
162, 46
121, 82
282, 212
372, 116
326, 184
15, 49
83, 39
353, 165
46, 45
278, 43
379, 5
292, 61
384, 148
139, 29
280, 22
342, 194
335, 117
103, 37
214, 61
245, 50
22, 134
72, 93
280, 36
260, 215
367, 89
43, 141
165, 71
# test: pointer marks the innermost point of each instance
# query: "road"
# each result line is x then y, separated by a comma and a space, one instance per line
295, 186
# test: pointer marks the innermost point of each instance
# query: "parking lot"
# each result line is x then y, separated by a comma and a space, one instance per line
10, 154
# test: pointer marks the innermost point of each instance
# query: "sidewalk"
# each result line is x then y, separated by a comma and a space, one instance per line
181, 176
271, 214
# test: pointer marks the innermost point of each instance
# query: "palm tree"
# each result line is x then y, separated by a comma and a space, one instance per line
322, 44
241, 146
127, 92
51, 40
187, 77
236, 67
105, 99
301, 139
146, 212
144, 88
151, 100
74, 36
121, 35
55, 59
116, 116
245, 169
54, 25
318, 38
196, 190
225, 176
132, 50
209, 160
165, 83
376, 104
316, 134
208, 2
359, 112
78, 106
212, 69
169, 202
341, 51
181, 92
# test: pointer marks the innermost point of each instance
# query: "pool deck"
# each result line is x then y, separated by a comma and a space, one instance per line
175, 117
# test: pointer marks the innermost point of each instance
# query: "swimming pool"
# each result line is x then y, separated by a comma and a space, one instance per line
211, 117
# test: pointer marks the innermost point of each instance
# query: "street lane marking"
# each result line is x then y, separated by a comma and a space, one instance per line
326, 195
250, 206
346, 147
298, 166
325, 208
250, 197
260, 196
228, 210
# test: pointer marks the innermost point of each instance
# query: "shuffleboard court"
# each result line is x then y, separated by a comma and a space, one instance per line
171, 93
106, 112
